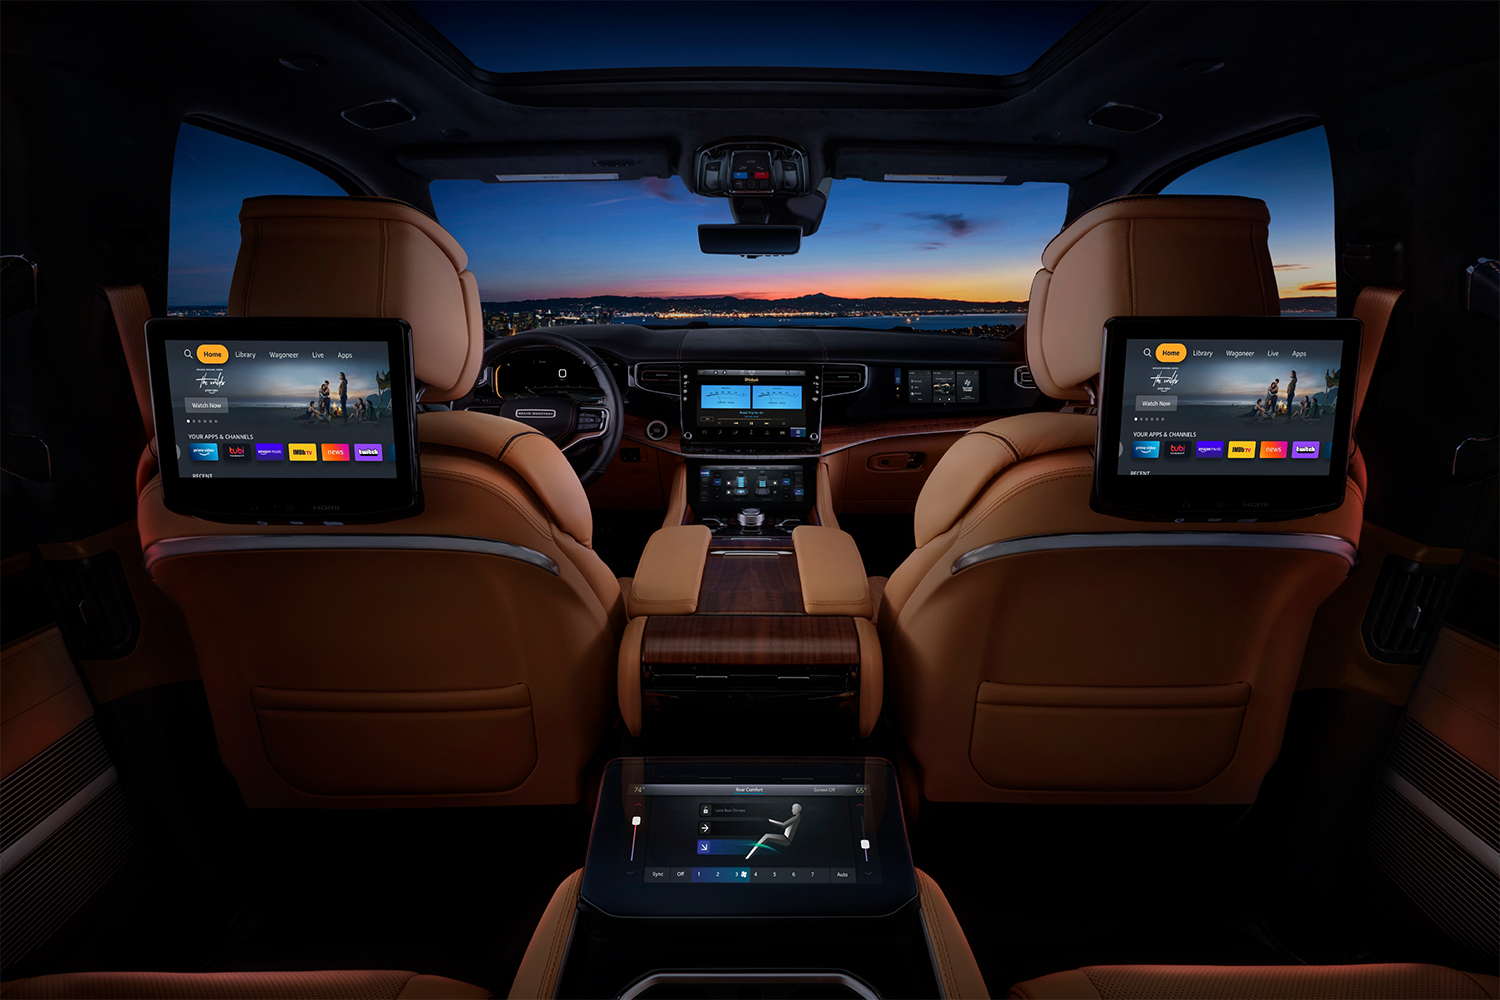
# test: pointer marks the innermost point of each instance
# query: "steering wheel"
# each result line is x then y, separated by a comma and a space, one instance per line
572, 426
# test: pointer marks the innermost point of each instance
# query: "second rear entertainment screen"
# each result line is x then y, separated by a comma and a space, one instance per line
1229, 407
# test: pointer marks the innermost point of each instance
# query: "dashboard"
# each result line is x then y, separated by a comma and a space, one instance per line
772, 391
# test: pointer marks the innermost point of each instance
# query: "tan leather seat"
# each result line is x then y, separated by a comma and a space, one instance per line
465, 656
362, 984
1088, 663
1290, 982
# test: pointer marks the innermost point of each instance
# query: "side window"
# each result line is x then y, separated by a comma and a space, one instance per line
1294, 177
211, 175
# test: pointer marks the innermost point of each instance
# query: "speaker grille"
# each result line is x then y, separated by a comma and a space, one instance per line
1124, 117
379, 114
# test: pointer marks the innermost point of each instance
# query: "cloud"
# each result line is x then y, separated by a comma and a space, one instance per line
934, 245
1319, 286
953, 223
1289, 267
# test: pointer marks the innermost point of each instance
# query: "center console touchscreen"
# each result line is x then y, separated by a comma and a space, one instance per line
725, 407
720, 837
285, 420
1224, 418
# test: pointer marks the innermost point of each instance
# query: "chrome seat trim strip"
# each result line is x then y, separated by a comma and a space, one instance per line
1330, 544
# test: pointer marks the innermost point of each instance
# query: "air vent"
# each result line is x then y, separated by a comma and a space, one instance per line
1124, 117
1406, 610
379, 114
1023, 377
840, 379
664, 379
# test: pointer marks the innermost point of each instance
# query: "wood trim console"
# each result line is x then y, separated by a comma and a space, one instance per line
734, 640
750, 581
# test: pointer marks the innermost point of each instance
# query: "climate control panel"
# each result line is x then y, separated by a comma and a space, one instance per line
750, 486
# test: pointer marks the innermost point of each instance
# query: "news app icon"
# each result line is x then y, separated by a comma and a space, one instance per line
207, 451
1210, 449
302, 452
1145, 449
1273, 449
1306, 449
335, 453
369, 453
269, 452
1177, 449
1241, 449
236, 452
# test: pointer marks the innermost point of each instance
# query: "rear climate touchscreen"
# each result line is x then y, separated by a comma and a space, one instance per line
672, 839
301, 417
1227, 415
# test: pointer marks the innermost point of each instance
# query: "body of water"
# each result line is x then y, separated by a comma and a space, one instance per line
906, 322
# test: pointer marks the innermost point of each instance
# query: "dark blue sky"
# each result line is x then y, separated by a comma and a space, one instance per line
977, 242
934, 35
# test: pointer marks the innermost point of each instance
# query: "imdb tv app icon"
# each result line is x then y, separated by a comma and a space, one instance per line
302, 452
1241, 449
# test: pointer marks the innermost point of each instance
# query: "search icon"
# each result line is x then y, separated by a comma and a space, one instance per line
1146, 351
186, 353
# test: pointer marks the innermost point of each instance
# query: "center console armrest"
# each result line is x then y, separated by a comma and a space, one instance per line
832, 573
671, 569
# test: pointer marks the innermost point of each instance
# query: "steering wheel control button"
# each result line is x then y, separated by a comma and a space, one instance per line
656, 430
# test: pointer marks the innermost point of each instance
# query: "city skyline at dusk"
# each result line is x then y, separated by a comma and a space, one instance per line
978, 243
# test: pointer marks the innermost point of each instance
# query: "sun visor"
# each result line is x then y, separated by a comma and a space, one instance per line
604, 161
964, 164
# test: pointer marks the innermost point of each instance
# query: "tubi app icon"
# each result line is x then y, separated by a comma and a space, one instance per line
1177, 449
1273, 449
372, 453
269, 452
302, 452
1210, 449
236, 452
207, 451
335, 453
1305, 449
1241, 449
1145, 449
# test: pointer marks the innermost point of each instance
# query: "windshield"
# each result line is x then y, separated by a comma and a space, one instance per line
936, 36
950, 257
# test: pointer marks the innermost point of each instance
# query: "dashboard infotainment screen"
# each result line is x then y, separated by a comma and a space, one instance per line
745, 838
1239, 417
283, 418
751, 406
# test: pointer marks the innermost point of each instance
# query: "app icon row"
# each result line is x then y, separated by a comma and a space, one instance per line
214, 451
1226, 449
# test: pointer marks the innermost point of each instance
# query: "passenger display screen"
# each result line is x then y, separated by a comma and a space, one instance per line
258, 409
1229, 407
754, 839
271, 420
1224, 418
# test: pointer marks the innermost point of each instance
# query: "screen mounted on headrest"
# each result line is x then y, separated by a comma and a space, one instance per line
285, 420
1224, 418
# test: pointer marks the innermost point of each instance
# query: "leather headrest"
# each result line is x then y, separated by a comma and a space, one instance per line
1145, 255
365, 257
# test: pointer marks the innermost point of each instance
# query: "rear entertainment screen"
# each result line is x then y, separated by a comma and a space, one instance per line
284, 419
266, 409
1226, 417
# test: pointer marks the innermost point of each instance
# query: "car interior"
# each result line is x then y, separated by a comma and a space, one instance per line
428, 571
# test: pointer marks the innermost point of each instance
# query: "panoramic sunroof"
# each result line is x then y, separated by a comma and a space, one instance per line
970, 36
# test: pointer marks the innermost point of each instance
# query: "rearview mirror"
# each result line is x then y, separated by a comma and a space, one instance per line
750, 241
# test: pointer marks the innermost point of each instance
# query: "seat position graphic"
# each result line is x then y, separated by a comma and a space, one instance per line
789, 826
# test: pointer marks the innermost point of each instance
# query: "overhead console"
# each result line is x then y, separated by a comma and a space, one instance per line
755, 167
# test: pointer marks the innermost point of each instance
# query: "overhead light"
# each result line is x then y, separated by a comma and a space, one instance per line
507, 178
947, 178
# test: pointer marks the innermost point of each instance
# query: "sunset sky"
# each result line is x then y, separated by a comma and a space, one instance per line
975, 242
